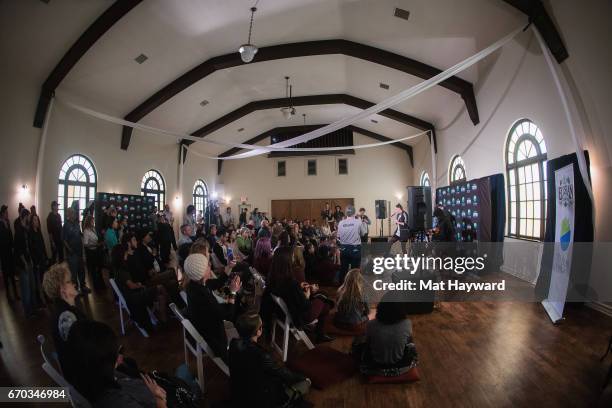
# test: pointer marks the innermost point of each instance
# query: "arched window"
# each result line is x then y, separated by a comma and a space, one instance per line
425, 179
77, 181
456, 171
200, 196
153, 185
526, 171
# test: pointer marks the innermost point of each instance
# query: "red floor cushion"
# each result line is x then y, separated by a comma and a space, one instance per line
409, 376
331, 328
324, 366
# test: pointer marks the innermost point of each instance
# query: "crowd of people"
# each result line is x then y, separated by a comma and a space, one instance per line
228, 270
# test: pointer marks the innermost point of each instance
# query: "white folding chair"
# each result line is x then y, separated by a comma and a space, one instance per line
198, 347
287, 326
76, 399
183, 296
123, 306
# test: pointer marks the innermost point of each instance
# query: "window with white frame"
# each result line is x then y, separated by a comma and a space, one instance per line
526, 181
77, 182
456, 171
153, 185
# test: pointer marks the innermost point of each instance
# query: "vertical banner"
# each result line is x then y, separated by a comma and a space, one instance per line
564, 238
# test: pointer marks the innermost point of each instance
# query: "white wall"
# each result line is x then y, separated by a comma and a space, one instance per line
377, 173
520, 86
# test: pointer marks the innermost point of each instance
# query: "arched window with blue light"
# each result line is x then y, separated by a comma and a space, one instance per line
456, 170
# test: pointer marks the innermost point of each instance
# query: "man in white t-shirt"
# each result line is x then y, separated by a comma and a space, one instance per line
350, 230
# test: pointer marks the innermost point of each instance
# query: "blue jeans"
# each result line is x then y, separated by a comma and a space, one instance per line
77, 270
350, 256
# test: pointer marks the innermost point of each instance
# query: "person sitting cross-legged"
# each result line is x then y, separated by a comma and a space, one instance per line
256, 378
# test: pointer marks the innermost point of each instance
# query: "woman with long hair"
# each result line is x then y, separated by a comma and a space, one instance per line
93, 253
263, 256
352, 307
388, 349
303, 301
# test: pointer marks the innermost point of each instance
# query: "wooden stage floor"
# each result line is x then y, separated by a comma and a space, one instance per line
471, 355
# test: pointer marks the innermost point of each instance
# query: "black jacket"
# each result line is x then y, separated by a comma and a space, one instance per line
6, 238
218, 250
64, 316
256, 379
165, 235
295, 299
37, 247
207, 315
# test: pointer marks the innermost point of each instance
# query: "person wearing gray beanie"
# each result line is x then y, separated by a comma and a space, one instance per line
204, 311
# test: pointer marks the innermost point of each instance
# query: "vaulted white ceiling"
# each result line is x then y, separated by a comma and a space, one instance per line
179, 35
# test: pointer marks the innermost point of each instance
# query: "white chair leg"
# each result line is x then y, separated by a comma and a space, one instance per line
200, 364
304, 337
185, 347
285, 343
121, 319
152, 317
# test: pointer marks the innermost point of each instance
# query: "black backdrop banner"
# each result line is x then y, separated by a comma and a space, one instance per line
136, 209
478, 207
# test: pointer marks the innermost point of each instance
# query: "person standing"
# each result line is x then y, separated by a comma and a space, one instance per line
168, 215
7, 261
242, 219
190, 220
349, 238
93, 253
366, 225
402, 232
23, 262
166, 240
54, 228
73, 244
38, 252
338, 216
326, 215
228, 219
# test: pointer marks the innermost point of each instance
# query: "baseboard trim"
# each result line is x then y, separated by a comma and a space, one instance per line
601, 307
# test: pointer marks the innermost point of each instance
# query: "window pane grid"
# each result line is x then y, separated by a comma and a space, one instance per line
526, 170
77, 181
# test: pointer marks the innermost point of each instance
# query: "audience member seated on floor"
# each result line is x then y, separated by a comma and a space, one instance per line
301, 300
61, 292
203, 310
137, 295
388, 349
165, 239
351, 305
92, 371
263, 256
328, 265
256, 378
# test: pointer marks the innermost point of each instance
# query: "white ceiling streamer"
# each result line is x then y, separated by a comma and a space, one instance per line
284, 146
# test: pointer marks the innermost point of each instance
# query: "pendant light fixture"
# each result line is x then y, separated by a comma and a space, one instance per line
289, 110
247, 51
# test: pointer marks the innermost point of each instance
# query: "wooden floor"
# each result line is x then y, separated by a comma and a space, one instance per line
471, 355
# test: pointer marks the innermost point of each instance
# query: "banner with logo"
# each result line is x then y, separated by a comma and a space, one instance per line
564, 238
